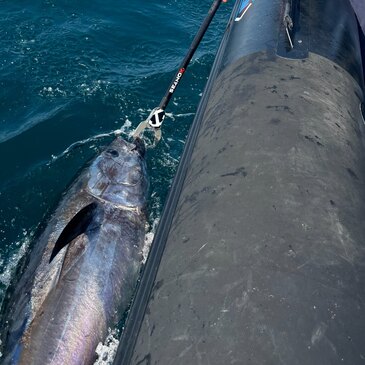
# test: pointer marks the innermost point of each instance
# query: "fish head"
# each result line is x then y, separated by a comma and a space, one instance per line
118, 175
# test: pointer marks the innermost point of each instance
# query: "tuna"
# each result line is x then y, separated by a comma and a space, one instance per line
85, 265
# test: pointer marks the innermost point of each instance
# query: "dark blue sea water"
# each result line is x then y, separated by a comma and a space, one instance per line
72, 70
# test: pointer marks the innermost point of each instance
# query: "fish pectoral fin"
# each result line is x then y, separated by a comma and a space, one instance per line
74, 252
75, 227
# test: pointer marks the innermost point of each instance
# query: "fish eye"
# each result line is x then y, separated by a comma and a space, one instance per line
112, 152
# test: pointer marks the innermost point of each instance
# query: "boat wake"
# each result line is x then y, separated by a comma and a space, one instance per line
123, 131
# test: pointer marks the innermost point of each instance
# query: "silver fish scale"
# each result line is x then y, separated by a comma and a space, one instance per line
74, 298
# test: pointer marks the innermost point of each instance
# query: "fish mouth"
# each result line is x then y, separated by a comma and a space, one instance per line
139, 146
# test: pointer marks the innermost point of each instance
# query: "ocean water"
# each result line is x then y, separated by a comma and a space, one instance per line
72, 72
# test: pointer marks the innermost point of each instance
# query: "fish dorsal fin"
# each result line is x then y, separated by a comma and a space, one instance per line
75, 227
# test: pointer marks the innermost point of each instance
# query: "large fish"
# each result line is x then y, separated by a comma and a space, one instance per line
85, 265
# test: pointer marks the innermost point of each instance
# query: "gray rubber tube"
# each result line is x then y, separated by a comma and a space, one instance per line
259, 257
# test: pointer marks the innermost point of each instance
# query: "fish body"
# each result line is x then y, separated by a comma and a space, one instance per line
85, 265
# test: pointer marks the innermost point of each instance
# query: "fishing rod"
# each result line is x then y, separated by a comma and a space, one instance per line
157, 115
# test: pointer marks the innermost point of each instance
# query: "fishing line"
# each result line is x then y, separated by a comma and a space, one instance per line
158, 114
77, 144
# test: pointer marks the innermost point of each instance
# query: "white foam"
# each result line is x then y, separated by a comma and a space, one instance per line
149, 239
91, 88
125, 128
85, 89
7, 273
106, 351
181, 115
50, 91
117, 132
